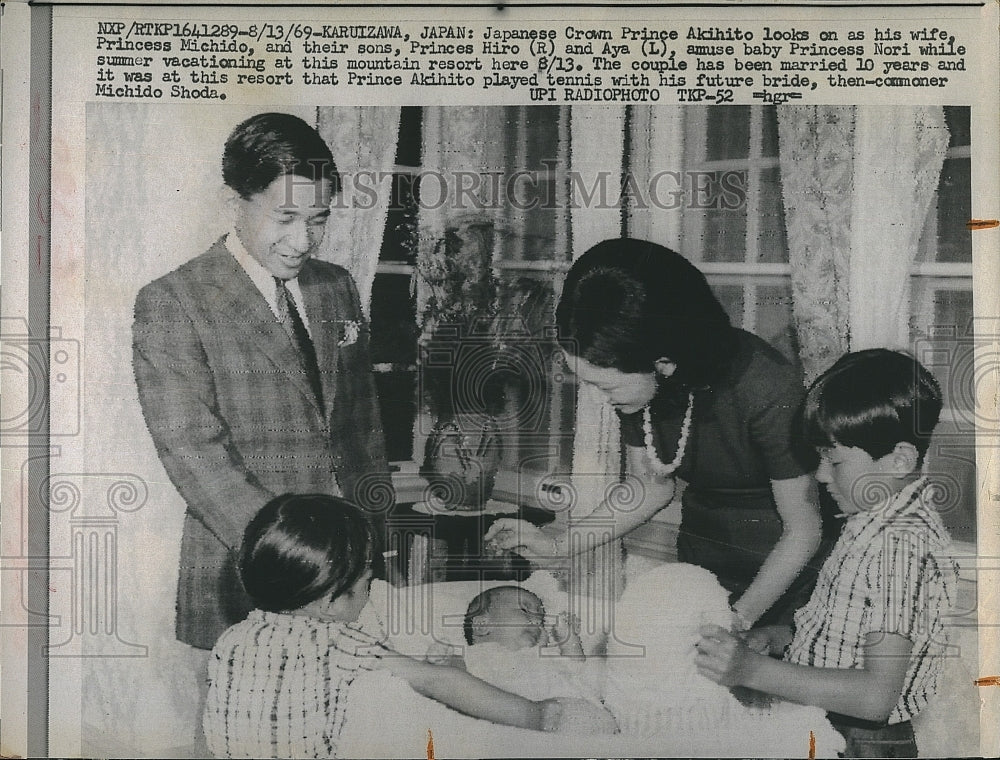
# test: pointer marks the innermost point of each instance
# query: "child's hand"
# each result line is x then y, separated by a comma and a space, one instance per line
724, 658
757, 640
566, 634
769, 639
440, 653
576, 715
564, 627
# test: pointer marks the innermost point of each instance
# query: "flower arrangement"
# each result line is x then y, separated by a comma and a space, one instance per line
458, 313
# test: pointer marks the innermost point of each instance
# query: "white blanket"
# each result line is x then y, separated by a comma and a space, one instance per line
662, 705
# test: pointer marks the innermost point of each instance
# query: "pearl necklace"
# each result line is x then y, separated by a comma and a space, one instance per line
663, 470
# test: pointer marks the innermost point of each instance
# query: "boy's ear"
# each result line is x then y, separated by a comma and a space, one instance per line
230, 201
905, 459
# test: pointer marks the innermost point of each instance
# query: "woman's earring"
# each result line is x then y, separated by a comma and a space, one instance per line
665, 367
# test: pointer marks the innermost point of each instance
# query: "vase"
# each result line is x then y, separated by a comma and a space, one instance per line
461, 460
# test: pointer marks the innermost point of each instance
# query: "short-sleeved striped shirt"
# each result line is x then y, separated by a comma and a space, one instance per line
890, 571
279, 685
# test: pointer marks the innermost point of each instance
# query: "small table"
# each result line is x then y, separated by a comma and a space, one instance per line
432, 544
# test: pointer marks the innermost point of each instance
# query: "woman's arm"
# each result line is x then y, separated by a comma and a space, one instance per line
798, 507
638, 499
469, 695
869, 693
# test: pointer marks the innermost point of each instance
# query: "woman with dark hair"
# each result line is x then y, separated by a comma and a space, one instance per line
700, 400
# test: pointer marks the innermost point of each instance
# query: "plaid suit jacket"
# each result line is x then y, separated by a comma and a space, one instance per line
234, 419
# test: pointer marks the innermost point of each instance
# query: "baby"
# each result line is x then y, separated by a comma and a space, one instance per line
514, 618
511, 648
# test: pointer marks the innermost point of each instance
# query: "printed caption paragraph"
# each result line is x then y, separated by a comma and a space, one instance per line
680, 63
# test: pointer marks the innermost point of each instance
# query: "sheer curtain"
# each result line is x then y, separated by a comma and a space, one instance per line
363, 141
596, 155
898, 154
857, 184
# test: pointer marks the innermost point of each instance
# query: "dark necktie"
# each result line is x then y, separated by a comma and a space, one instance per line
289, 317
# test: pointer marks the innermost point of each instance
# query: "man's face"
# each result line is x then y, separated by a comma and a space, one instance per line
283, 225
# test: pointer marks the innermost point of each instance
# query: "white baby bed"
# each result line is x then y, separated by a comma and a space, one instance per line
663, 706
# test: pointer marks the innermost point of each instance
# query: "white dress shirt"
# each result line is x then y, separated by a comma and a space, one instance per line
264, 280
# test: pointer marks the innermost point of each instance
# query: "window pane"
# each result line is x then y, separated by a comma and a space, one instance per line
957, 119
728, 132
942, 331
769, 141
393, 321
526, 365
944, 342
951, 462
731, 298
954, 209
542, 136
400, 240
409, 150
772, 246
724, 234
397, 403
775, 322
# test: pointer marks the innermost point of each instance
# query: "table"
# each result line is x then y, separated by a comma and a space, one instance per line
436, 545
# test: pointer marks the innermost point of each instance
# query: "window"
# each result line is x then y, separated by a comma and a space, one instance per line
744, 253
527, 237
734, 231
393, 306
734, 225
942, 328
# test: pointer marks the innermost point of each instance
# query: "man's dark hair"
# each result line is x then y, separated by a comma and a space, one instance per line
270, 145
302, 547
626, 303
873, 400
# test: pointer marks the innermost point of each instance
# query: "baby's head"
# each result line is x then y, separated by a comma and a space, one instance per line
308, 553
506, 615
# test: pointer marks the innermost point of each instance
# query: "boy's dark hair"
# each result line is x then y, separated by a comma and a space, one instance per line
481, 603
301, 547
873, 400
270, 145
626, 303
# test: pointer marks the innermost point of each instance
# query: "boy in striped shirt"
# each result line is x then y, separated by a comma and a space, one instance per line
281, 678
868, 646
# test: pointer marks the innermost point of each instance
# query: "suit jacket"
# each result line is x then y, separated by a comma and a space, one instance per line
235, 421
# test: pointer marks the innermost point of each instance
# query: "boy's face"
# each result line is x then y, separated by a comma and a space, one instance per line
855, 480
282, 226
514, 621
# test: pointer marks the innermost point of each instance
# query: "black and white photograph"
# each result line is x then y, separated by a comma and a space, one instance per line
489, 429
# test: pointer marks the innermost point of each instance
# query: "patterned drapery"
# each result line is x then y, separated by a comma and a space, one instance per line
363, 141
816, 181
857, 183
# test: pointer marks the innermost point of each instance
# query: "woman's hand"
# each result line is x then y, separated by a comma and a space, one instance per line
509, 534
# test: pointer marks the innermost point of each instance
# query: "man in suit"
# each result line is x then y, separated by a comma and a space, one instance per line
252, 366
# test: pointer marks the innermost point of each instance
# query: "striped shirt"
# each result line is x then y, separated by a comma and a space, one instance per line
889, 572
279, 684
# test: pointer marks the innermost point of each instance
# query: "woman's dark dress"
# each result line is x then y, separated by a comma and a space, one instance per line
740, 440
